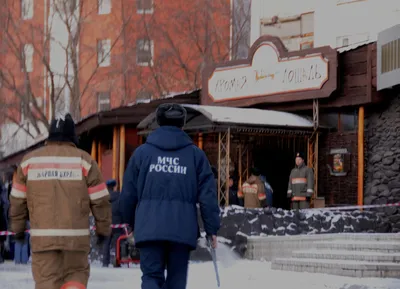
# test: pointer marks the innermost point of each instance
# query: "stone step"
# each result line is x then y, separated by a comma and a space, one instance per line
339, 267
375, 246
367, 256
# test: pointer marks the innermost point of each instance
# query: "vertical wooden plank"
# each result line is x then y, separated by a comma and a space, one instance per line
228, 154
115, 154
94, 150
200, 140
99, 154
122, 144
369, 72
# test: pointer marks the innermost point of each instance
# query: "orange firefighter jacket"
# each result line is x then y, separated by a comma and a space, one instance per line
58, 185
253, 193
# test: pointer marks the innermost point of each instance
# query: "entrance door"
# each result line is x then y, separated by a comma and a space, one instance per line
275, 160
276, 165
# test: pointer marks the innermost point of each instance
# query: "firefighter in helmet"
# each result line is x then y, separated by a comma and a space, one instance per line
301, 184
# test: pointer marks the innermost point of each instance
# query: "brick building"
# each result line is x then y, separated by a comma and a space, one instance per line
94, 55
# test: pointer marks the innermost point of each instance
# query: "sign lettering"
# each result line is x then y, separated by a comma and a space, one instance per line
55, 174
168, 165
268, 75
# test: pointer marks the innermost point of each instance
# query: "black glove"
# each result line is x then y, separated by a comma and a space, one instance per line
19, 237
100, 240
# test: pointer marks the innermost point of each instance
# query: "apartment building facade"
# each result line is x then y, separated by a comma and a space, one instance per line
312, 23
88, 56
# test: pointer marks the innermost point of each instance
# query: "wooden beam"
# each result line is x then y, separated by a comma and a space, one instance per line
360, 193
115, 154
99, 154
200, 140
94, 150
122, 143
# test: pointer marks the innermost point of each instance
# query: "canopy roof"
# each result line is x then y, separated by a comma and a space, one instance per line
206, 118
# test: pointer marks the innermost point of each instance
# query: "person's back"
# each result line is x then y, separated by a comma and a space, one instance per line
253, 191
58, 185
165, 179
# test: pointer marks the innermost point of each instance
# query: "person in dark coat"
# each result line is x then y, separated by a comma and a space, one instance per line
233, 190
165, 178
111, 241
4, 204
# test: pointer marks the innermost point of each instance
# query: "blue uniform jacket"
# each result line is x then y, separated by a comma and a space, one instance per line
164, 180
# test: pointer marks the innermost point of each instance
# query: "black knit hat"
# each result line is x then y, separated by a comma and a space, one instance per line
63, 130
300, 155
171, 114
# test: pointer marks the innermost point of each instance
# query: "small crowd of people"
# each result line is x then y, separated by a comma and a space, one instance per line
17, 250
57, 186
256, 192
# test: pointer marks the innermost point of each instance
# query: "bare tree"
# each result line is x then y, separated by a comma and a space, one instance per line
50, 58
175, 44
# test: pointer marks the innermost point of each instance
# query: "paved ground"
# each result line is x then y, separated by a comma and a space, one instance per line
241, 274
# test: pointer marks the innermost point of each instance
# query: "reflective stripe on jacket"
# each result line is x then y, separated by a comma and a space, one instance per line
58, 185
301, 182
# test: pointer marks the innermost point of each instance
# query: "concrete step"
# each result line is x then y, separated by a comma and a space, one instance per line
375, 246
367, 256
339, 267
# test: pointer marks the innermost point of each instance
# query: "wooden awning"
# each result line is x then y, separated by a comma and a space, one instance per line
131, 114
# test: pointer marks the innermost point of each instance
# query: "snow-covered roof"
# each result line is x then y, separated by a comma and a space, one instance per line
251, 116
355, 45
235, 116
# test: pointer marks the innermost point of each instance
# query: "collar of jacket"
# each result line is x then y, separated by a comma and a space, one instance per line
302, 165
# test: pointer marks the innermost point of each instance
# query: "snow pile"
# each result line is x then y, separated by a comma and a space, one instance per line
237, 224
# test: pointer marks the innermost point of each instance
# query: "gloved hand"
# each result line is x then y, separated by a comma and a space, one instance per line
19, 237
100, 240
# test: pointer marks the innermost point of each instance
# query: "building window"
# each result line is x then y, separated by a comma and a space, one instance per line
104, 6
144, 52
307, 45
345, 42
143, 96
344, 121
307, 24
26, 9
103, 101
144, 6
27, 58
104, 52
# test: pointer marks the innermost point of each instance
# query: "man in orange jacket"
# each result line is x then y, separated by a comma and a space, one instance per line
57, 186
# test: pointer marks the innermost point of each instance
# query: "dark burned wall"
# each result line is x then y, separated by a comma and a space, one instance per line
338, 190
382, 179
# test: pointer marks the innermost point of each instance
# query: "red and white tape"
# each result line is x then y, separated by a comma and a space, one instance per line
93, 228
356, 207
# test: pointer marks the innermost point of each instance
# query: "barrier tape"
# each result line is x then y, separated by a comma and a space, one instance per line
343, 208
356, 207
118, 226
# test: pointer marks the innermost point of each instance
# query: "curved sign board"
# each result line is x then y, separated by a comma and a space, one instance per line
270, 72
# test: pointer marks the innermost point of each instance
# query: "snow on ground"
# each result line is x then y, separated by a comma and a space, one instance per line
242, 274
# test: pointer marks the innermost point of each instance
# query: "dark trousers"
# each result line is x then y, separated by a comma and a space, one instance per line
155, 257
109, 244
296, 205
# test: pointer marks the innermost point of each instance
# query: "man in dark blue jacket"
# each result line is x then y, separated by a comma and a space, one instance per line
165, 178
